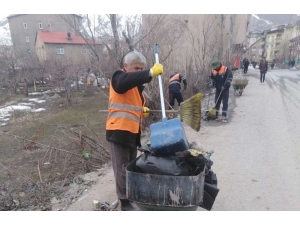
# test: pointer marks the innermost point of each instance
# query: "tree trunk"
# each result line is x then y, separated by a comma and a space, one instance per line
26, 88
113, 21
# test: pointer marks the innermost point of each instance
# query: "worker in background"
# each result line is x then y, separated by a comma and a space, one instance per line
221, 77
174, 90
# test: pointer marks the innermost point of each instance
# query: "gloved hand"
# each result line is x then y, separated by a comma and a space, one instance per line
211, 84
145, 112
226, 85
157, 69
185, 87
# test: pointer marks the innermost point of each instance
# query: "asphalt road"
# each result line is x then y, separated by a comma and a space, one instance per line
257, 153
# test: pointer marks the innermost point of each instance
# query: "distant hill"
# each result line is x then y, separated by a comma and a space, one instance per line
260, 22
279, 19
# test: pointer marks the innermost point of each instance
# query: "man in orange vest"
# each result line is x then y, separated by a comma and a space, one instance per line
174, 88
126, 108
221, 78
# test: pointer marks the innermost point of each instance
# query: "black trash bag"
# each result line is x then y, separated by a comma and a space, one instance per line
167, 165
146, 148
181, 164
209, 196
211, 178
210, 187
197, 163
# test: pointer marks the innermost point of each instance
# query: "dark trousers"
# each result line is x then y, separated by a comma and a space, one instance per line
262, 76
224, 97
245, 69
173, 96
121, 156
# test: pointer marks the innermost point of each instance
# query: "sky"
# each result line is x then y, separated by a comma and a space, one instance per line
146, 7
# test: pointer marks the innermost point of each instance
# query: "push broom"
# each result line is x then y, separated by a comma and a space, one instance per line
189, 111
212, 113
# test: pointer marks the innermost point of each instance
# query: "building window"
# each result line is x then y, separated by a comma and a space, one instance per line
60, 50
25, 25
40, 25
86, 50
27, 39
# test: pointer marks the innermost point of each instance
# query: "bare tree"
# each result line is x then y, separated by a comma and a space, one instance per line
10, 67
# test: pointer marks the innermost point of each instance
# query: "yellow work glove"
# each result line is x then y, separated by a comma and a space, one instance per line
157, 69
145, 112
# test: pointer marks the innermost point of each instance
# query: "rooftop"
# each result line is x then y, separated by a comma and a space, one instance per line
62, 38
14, 15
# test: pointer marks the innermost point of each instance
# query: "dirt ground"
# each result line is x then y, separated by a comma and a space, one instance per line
256, 155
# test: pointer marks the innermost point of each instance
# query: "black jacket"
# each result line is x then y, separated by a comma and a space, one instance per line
174, 86
121, 83
261, 64
219, 81
246, 63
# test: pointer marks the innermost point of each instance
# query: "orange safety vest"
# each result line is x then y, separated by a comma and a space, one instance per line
175, 77
221, 72
125, 111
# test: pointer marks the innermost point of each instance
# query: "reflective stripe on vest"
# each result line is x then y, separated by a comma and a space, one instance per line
123, 115
221, 72
124, 106
175, 79
125, 110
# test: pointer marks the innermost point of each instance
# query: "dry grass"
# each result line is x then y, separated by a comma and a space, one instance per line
40, 153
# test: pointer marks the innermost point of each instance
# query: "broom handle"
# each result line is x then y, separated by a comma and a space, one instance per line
150, 111
160, 83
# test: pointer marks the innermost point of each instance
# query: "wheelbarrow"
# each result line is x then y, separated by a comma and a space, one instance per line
239, 85
153, 192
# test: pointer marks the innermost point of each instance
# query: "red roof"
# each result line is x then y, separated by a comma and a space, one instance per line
62, 38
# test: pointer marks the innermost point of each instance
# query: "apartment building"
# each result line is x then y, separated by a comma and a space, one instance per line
294, 50
254, 37
275, 45
23, 28
256, 50
278, 44
64, 45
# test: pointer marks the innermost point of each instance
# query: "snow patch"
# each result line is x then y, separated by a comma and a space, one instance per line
36, 100
29, 104
16, 107
254, 15
39, 110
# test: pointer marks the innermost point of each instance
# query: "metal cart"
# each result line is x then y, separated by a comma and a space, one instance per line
239, 85
152, 192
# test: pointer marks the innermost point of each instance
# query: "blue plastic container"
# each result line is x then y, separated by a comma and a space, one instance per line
168, 137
